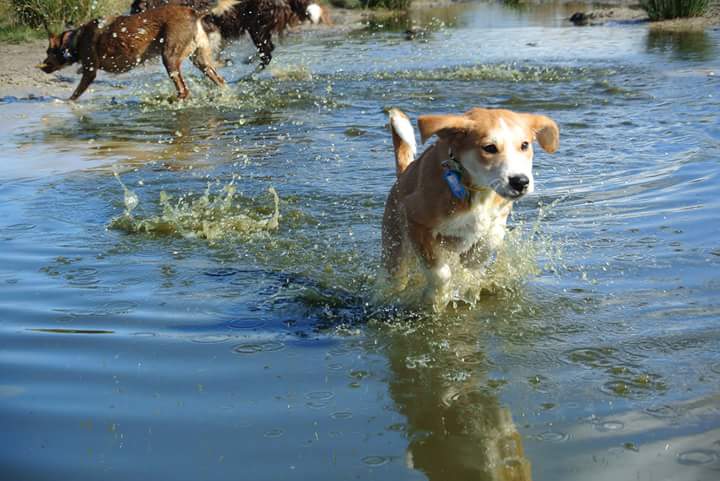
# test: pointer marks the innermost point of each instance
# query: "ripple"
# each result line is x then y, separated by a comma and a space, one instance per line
255, 347
375, 460
19, 227
82, 277
221, 272
274, 433
715, 368
211, 339
597, 357
696, 457
144, 334
607, 426
397, 427
552, 436
342, 415
246, 324
662, 412
319, 395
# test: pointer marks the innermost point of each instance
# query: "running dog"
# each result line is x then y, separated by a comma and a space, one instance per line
119, 44
456, 197
259, 18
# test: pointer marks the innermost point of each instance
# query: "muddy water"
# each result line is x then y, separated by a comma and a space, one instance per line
164, 318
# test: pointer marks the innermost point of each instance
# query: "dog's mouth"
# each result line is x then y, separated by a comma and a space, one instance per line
509, 193
47, 68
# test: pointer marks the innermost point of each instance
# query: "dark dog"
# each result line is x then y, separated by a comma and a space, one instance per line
259, 18
119, 44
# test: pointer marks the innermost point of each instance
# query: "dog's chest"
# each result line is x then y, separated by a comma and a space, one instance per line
483, 224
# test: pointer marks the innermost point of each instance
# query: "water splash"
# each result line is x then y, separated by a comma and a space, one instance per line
506, 272
212, 215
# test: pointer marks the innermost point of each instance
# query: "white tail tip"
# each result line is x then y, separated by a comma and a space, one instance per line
314, 13
401, 125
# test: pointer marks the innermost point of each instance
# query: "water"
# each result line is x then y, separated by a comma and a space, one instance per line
215, 344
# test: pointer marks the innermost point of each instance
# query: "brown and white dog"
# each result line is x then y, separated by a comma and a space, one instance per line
456, 197
119, 44
259, 18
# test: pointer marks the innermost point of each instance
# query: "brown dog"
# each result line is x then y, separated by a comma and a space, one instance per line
119, 44
259, 18
457, 196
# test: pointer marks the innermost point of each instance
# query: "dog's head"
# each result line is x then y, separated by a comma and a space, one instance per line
60, 52
495, 146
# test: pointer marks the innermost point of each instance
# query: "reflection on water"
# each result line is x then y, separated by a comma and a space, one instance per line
456, 426
681, 44
252, 339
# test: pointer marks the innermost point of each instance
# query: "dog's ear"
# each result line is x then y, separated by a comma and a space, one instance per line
65, 38
442, 125
53, 40
546, 131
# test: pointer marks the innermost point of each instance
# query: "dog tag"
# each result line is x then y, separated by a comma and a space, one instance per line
452, 179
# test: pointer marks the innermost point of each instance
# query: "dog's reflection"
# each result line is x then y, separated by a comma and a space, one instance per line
457, 429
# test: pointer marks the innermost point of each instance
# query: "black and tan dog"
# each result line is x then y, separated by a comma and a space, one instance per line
259, 18
119, 44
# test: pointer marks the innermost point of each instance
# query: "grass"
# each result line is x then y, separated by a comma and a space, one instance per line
23, 20
666, 9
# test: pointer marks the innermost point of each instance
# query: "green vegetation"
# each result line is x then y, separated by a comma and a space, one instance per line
665, 9
23, 20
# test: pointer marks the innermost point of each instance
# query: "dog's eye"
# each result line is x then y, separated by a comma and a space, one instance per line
524, 146
490, 148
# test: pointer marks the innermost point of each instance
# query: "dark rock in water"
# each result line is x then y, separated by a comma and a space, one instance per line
579, 19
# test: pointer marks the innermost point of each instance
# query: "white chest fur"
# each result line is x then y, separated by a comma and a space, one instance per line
482, 226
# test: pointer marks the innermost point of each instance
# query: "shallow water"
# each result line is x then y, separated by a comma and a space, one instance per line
212, 344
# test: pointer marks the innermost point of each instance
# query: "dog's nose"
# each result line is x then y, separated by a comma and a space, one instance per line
519, 182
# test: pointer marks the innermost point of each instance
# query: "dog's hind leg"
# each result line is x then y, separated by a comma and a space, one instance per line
202, 59
172, 65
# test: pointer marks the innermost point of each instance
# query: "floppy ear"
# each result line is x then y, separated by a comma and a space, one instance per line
546, 131
53, 40
442, 125
65, 38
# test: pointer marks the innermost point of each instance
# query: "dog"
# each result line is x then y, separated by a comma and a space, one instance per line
259, 18
119, 44
456, 197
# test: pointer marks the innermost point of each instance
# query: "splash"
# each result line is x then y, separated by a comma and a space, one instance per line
214, 215
291, 72
505, 273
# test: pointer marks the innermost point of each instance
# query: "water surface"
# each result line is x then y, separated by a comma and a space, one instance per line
199, 340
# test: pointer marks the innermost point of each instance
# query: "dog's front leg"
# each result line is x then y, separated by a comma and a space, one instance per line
437, 271
89, 75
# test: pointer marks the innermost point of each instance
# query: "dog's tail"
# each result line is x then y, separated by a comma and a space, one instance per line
219, 7
403, 137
